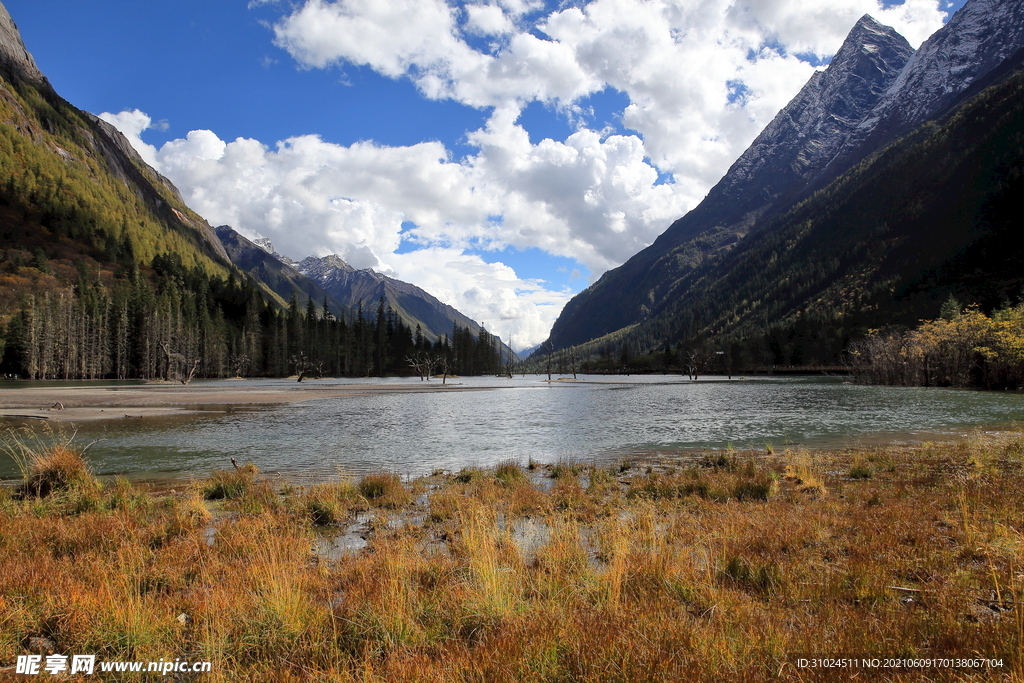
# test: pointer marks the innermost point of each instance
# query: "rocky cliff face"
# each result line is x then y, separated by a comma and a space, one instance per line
977, 39
13, 52
805, 136
324, 268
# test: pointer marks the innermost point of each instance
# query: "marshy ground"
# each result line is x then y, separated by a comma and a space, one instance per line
725, 566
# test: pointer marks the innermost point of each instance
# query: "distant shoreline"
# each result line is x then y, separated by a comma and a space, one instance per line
90, 402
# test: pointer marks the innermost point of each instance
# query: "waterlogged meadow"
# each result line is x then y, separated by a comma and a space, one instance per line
726, 566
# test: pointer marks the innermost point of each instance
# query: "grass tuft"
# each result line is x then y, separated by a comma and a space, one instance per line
565, 468
861, 470
509, 473
329, 503
761, 578
384, 490
720, 461
49, 464
761, 486
231, 484
469, 474
58, 468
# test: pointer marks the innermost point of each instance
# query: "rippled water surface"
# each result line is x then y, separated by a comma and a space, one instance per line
599, 419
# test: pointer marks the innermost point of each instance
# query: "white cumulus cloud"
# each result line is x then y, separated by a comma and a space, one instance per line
589, 198
491, 293
673, 59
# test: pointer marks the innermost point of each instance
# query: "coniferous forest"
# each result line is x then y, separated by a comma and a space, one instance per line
181, 323
106, 273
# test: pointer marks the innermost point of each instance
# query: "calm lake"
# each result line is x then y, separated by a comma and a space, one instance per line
598, 420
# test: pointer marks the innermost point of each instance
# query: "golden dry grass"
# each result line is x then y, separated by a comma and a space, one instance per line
48, 461
705, 569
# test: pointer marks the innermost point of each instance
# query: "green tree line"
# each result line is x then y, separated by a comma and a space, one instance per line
181, 322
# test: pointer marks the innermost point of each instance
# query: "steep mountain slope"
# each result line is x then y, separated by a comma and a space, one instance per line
798, 144
934, 214
72, 186
13, 53
976, 40
413, 305
343, 286
812, 141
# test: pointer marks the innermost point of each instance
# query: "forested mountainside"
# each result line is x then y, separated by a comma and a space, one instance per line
874, 90
73, 187
931, 216
104, 272
330, 278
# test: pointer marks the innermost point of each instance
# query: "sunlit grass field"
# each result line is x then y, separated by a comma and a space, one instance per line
724, 566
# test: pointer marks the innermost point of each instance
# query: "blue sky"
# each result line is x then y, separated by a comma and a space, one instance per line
502, 154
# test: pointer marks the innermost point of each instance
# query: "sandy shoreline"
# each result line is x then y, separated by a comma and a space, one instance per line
86, 403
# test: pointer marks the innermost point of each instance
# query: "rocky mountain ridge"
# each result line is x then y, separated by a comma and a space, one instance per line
977, 39
806, 134
349, 287
790, 152
13, 51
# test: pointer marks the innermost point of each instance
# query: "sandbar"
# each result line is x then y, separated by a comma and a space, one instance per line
87, 403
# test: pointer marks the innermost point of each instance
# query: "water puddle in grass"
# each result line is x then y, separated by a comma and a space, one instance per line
339, 546
530, 535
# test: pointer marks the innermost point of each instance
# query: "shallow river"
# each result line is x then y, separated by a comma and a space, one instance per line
599, 420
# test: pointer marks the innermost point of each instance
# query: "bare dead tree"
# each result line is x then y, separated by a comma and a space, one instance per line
510, 363
192, 372
301, 364
422, 362
179, 363
695, 361
447, 365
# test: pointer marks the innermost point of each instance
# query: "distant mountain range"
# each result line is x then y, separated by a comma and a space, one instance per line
847, 151
344, 288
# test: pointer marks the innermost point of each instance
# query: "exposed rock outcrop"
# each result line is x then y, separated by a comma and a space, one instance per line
13, 52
